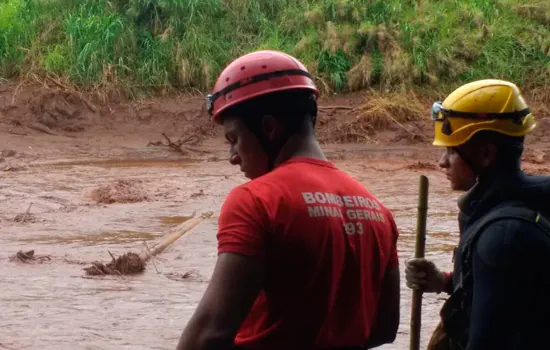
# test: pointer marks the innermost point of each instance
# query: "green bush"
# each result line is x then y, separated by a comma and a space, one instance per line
347, 44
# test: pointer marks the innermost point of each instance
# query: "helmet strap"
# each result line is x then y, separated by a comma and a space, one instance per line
271, 149
292, 114
467, 160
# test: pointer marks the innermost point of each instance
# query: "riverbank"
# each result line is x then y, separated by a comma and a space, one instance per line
135, 47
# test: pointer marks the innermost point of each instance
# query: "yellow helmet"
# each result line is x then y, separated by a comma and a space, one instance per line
488, 104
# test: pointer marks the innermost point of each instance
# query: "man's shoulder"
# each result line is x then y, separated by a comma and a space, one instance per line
508, 237
513, 218
297, 172
326, 184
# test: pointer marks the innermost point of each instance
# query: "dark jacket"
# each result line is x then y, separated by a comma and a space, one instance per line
510, 294
462, 219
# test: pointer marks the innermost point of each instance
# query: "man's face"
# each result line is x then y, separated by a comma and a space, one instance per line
458, 172
245, 148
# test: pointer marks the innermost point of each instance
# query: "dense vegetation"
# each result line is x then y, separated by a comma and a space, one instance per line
144, 45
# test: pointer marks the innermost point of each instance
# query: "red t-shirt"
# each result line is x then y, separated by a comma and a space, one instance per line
327, 242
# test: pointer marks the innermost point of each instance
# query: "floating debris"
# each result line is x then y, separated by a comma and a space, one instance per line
122, 191
132, 263
29, 257
189, 276
127, 264
25, 217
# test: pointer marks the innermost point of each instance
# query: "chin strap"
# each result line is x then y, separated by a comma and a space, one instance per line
467, 161
272, 149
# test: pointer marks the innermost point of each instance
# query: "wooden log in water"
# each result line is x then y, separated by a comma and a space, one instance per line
174, 235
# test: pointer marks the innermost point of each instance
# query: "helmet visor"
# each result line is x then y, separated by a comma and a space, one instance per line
440, 113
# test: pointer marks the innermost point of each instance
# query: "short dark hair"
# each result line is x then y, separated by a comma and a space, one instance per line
291, 107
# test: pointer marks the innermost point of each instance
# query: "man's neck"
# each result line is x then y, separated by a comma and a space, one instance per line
300, 146
485, 185
499, 172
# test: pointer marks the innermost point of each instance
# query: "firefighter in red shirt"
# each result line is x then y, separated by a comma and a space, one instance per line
307, 256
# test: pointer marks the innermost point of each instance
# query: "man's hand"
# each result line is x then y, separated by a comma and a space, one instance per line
423, 275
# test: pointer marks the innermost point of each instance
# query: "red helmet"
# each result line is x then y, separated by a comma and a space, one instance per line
255, 74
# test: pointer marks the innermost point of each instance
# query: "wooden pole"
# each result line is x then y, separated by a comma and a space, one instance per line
416, 310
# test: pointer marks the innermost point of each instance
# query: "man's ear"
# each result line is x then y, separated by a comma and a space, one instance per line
487, 154
272, 128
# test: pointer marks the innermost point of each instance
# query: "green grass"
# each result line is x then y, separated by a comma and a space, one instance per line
147, 45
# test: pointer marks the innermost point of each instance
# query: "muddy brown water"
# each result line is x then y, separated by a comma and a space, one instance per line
53, 305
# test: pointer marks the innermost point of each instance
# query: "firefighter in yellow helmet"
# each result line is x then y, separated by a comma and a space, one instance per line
491, 105
500, 285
